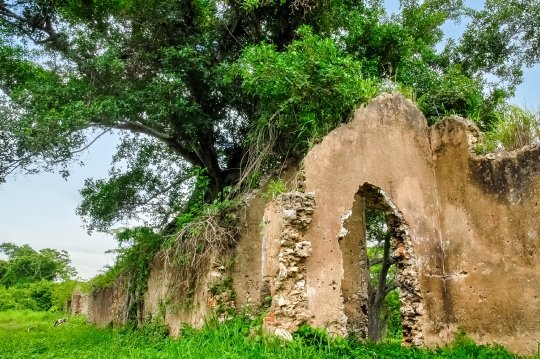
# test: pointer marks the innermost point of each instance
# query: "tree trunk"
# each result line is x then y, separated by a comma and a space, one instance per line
375, 322
376, 296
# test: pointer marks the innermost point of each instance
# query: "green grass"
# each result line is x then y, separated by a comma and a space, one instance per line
26, 334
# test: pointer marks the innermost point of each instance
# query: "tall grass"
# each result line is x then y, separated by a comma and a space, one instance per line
25, 334
515, 127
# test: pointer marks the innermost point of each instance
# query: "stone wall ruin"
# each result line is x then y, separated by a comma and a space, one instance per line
465, 234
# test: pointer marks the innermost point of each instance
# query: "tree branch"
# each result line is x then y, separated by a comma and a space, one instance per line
375, 261
140, 128
165, 190
43, 24
390, 288
169, 140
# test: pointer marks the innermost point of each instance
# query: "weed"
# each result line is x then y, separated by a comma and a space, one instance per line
275, 188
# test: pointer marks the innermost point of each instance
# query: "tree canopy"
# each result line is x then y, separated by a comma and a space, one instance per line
203, 93
26, 265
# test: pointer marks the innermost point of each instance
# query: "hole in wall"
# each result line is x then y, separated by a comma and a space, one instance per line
384, 318
379, 273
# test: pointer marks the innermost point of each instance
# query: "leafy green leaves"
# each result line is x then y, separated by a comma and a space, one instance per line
202, 83
306, 90
25, 265
501, 38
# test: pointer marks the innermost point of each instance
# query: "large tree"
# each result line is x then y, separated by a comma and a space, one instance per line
26, 265
206, 88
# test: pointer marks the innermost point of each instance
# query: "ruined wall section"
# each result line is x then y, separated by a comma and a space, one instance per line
162, 301
490, 224
237, 275
355, 279
79, 303
284, 265
465, 234
250, 288
386, 145
105, 306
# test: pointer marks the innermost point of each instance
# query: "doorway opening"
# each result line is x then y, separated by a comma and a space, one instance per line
381, 295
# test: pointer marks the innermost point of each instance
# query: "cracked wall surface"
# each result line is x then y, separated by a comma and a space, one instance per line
490, 224
105, 306
355, 279
470, 225
79, 303
244, 270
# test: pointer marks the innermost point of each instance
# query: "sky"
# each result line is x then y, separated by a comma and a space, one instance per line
40, 210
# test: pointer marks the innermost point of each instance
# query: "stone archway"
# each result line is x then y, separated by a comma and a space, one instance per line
355, 280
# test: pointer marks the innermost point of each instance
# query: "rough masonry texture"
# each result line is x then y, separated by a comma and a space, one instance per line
284, 269
465, 236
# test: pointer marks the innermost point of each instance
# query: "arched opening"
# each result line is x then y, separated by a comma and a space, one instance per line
381, 296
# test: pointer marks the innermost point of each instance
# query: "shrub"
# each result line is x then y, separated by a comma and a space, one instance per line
38, 296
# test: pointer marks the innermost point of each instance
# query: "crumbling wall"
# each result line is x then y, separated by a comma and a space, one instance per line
465, 236
355, 279
246, 273
163, 301
240, 271
284, 263
106, 306
79, 303
386, 145
489, 213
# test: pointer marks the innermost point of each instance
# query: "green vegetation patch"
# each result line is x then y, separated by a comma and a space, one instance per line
25, 334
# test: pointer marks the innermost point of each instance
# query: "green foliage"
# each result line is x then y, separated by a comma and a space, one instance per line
306, 90
25, 265
500, 39
452, 94
153, 196
222, 286
275, 188
33, 296
237, 338
383, 293
189, 84
42, 295
393, 315
376, 236
515, 127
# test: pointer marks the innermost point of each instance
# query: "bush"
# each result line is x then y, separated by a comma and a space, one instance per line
33, 296
38, 296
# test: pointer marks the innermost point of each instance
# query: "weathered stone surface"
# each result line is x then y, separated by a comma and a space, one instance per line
387, 146
79, 303
465, 235
489, 217
285, 222
105, 306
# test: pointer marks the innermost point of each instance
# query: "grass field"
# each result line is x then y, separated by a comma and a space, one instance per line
26, 334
